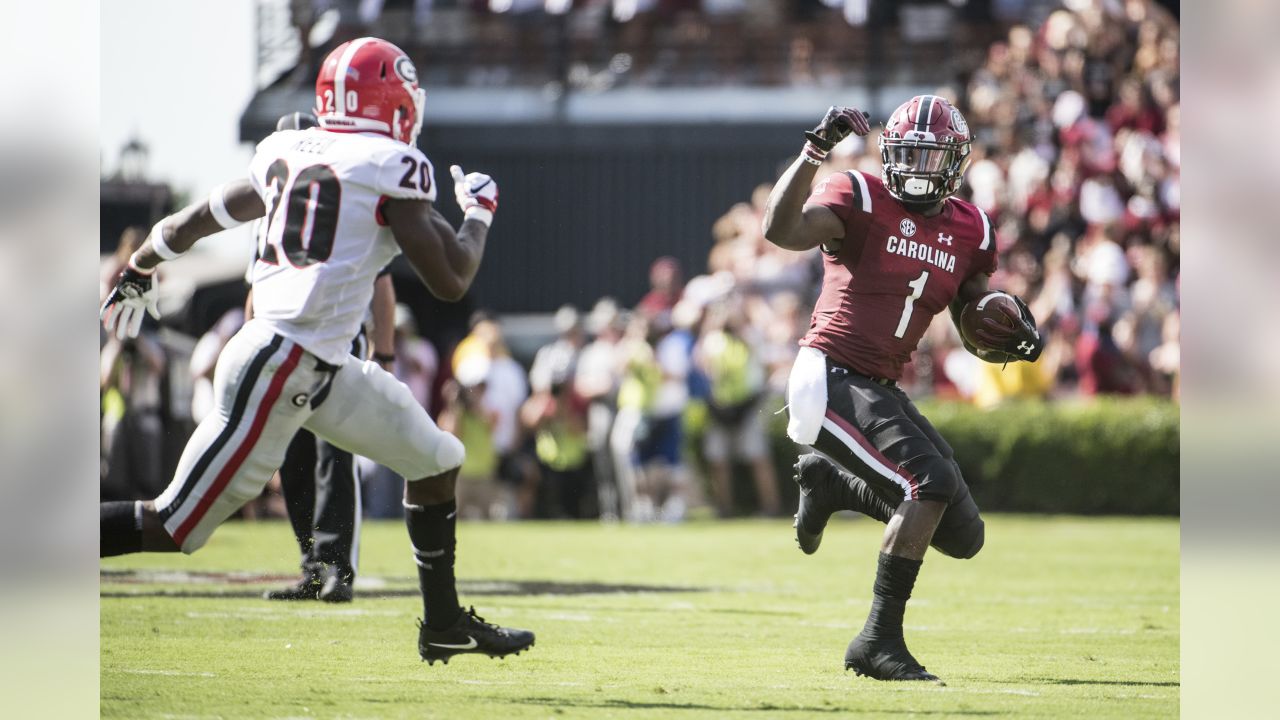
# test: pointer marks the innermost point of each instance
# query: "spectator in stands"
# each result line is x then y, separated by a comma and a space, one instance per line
468, 414
417, 363
505, 391
561, 355
205, 356
666, 283
130, 379
736, 426
637, 391
596, 382
111, 265
1101, 364
663, 449
557, 417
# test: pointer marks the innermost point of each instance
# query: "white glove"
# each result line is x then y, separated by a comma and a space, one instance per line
477, 194
133, 294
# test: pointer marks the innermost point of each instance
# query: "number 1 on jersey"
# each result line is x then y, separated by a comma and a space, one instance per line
917, 289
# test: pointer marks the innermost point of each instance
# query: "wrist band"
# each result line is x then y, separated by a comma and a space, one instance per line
218, 209
812, 154
384, 357
133, 264
159, 245
479, 214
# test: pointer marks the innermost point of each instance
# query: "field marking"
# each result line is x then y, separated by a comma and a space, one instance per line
275, 614
522, 683
166, 673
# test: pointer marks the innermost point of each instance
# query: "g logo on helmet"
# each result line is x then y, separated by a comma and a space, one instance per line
404, 68
958, 123
907, 226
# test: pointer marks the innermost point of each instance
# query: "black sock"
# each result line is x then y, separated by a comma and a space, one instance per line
895, 578
432, 531
119, 529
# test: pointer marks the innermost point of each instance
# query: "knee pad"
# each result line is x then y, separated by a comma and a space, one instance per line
961, 541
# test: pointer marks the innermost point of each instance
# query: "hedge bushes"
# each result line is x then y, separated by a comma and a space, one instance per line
1109, 455
1113, 455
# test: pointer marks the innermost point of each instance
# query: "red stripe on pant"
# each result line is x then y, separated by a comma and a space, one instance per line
875, 453
233, 465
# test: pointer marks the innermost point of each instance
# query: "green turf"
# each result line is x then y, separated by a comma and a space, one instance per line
1056, 617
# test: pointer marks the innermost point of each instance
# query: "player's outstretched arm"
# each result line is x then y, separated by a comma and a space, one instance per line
787, 222
229, 205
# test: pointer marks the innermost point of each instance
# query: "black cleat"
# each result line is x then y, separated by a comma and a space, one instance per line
885, 660
308, 588
471, 634
336, 587
819, 498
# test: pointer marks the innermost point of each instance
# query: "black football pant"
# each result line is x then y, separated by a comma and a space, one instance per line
322, 495
875, 432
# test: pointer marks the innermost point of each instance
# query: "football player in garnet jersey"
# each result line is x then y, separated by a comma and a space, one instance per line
339, 201
897, 250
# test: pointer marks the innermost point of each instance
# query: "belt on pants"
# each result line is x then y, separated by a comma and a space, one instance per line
877, 380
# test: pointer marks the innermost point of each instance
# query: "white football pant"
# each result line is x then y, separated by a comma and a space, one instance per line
265, 388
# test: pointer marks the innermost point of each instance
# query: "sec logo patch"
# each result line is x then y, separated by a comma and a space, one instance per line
907, 226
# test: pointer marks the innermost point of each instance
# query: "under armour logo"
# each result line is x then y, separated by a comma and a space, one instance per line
1026, 347
944, 239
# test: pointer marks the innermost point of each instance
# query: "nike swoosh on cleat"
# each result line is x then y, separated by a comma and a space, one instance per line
471, 642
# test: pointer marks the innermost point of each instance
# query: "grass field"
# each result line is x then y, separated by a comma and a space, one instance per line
1057, 617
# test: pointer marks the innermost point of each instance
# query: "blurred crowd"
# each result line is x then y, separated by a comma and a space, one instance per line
597, 44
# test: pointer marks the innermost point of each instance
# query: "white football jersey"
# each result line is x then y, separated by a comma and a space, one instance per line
325, 239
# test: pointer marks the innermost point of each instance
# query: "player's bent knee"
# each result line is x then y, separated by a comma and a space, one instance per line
450, 453
432, 456
961, 543
977, 538
940, 480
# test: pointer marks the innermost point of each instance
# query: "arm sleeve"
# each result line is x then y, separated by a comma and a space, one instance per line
406, 174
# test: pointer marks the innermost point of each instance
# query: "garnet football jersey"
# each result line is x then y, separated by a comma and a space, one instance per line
324, 239
895, 270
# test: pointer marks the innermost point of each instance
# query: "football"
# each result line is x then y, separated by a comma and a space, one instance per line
995, 306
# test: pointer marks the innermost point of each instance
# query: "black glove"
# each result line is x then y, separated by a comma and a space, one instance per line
1002, 343
129, 299
836, 126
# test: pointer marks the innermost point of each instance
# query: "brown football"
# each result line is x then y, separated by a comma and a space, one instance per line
991, 306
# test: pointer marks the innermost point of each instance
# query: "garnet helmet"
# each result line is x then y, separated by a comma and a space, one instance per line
370, 85
925, 150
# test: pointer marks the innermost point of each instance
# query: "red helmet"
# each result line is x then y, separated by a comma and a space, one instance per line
370, 85
925, 150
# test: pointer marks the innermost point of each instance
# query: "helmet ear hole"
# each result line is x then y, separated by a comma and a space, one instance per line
382, 71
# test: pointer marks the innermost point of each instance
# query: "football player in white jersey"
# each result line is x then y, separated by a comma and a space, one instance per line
340, 201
